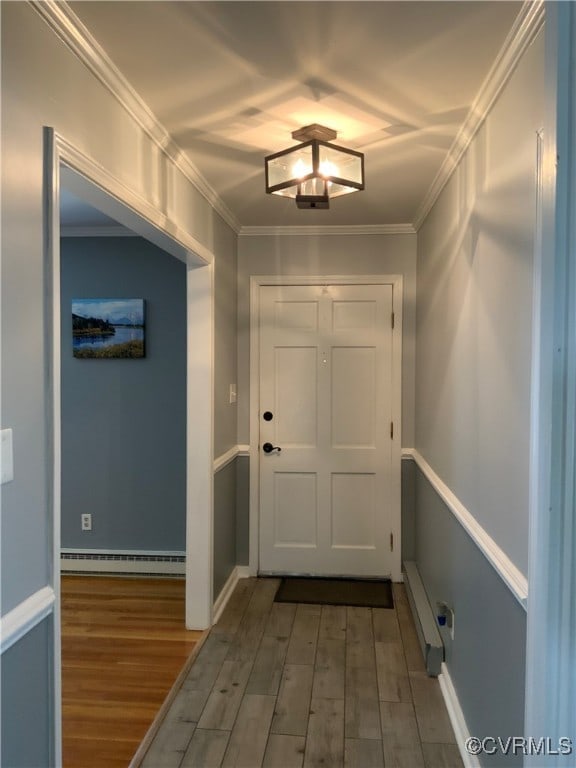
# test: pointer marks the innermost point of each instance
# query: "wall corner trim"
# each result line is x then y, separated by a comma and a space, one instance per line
457, 718
238, 572
332, 229
73, 33
25, 616
525, 28
508, 572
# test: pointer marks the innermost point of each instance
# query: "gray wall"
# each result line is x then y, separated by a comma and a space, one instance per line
44, 84
124, 421
26, 726
225, 558
486, 660
474, 316
327, 255
473, 365
225, 340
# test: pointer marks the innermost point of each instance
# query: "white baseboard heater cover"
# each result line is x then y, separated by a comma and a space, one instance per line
424, 619
123, 562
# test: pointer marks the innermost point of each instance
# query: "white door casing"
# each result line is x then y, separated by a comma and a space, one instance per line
326, 364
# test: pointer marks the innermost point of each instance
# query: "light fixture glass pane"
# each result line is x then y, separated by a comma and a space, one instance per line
335, 163
290, 166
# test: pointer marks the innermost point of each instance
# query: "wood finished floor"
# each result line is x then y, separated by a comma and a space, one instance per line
291, 686
123, 646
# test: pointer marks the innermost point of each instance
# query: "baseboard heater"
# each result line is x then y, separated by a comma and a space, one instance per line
424, 619
123, 562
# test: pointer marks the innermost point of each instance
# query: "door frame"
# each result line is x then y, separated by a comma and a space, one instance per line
97, 186
258, 281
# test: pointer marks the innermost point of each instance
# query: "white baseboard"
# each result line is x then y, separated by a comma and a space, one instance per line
239, 572
123, 562
457, 718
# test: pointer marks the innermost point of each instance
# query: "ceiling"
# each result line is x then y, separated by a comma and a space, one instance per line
230, 81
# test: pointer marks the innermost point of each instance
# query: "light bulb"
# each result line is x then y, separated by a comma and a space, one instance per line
300, 169
328, 168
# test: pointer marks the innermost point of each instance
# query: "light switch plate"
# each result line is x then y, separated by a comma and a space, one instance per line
6, 456
232, 393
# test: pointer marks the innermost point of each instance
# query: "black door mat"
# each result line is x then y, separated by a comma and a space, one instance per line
365, 593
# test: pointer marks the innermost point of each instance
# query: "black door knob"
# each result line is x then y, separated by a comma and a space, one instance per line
268, 448
267, 416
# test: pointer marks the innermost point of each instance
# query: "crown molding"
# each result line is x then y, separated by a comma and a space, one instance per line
73, 33
525, 28
353, 229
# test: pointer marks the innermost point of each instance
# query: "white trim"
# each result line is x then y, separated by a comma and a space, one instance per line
508, 572
457, 719
226, 458
200, 447
25, 616
333, 229
238, 572
114, 230
394, 280
124, 204
53, 444
68, 27
127, 552
256, 281
550, 692
231, 454
526, 26
94, 183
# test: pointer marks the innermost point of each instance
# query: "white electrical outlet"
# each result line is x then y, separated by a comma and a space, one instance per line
86, 522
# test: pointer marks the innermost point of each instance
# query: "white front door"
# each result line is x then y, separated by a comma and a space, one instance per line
326, 471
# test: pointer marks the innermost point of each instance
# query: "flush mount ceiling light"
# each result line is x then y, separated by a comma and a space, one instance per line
314, 171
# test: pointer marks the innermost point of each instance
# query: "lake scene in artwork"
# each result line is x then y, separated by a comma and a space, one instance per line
108, 328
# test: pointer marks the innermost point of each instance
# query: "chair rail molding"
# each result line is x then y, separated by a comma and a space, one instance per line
25, 616
508, 572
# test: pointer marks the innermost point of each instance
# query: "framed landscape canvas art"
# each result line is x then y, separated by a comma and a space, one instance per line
108, 328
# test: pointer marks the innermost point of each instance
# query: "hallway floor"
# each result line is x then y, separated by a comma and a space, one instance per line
284, 686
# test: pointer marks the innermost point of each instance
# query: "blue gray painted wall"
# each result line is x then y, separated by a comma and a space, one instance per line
25, 713
124, 421
225, 558
408, 509
242, 510
486, 660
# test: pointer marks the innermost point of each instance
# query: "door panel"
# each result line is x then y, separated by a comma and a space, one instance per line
326, 377
295, 400
353, 379
295, 509
353, 510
